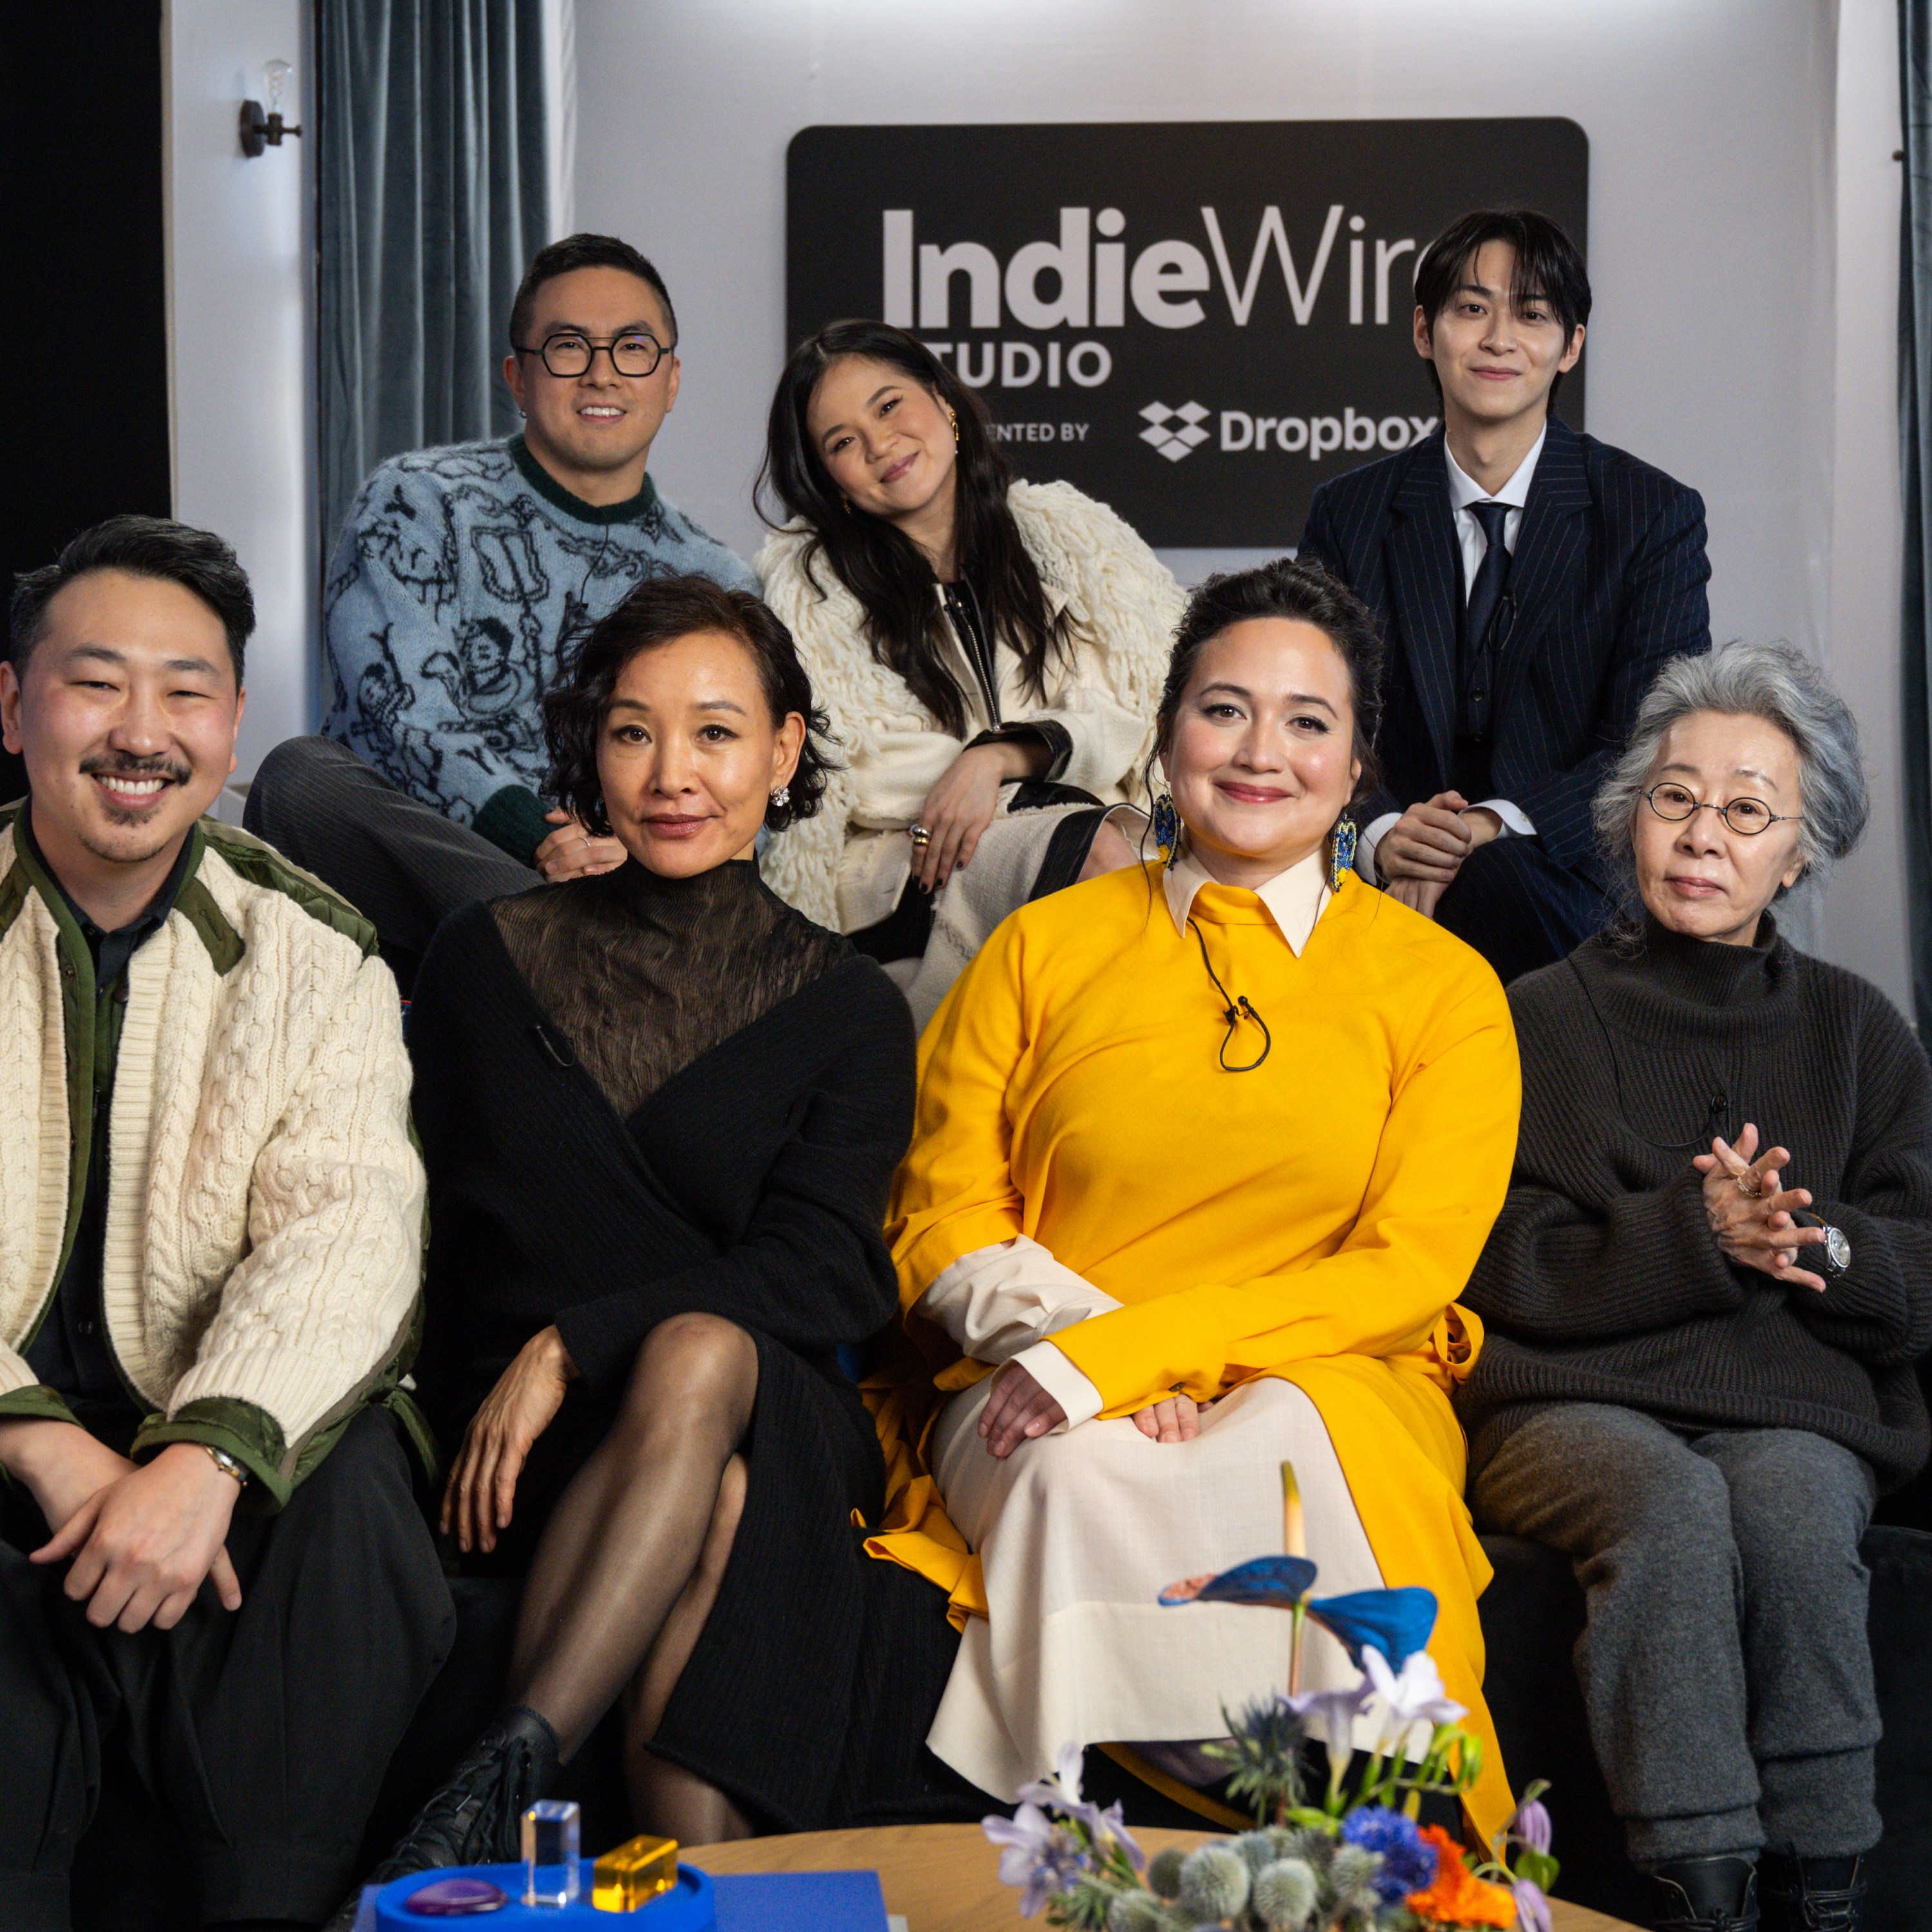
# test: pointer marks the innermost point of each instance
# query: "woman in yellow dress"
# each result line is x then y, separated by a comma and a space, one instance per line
1205, 1150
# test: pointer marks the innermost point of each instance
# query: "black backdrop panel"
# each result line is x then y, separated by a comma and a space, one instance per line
1196, 322
86, 420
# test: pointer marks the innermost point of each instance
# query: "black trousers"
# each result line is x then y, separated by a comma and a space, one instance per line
399, 863
262, 1734
1519, 908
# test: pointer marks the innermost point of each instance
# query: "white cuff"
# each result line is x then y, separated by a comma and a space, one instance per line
1365, 847
1003, 1298
1061, 1380
1514, 819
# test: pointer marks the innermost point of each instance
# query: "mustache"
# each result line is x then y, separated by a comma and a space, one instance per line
175, 770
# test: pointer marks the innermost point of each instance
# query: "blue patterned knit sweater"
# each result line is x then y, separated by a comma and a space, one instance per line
459, 572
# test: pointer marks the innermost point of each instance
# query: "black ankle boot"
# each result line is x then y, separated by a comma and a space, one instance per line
1813, 1895
476, 1819
1705, 1895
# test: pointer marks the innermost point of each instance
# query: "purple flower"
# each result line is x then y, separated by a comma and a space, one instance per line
1060, 1793
1329, 1716
1040, 1856
1530, 1826
1408, 1861
1532, 1909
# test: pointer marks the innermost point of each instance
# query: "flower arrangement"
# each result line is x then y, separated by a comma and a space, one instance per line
1355, 1859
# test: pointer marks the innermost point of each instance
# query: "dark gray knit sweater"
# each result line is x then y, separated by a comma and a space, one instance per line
1601, 1281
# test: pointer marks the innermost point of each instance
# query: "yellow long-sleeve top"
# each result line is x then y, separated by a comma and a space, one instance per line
1311, 1219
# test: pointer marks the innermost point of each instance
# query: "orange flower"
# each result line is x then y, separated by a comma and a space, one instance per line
1458, 1896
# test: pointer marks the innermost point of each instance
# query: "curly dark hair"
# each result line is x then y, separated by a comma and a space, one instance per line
880, 565
1305, 592
660, 610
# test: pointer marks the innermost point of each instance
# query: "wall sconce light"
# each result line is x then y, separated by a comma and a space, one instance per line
260, 130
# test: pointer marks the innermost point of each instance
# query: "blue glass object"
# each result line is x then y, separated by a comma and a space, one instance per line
456, 1898
552, 1829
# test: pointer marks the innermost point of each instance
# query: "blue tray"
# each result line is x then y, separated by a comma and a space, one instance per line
690, 1907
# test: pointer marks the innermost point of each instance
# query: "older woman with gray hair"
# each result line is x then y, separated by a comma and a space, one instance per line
1705, 1297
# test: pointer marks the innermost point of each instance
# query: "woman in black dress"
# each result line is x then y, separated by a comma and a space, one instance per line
660, 1111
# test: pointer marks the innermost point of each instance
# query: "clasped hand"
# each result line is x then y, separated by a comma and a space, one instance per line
480, 1493
143, 1539
1749, 1212
1019, 1409
1419, 855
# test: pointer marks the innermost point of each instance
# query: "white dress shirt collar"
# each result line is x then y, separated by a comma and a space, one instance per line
1295, 899
1464, 489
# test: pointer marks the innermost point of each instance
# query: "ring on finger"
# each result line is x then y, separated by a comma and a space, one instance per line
1754, 1192
920, 835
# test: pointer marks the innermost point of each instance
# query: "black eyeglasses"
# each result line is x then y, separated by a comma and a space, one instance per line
569, 353
1746, 816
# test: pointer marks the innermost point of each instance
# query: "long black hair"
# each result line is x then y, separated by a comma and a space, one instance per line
882, 567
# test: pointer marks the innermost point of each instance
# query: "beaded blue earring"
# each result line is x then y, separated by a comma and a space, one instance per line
1166, 826
1341, 851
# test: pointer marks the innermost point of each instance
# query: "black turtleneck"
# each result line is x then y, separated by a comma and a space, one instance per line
639, 1096
1601, 1281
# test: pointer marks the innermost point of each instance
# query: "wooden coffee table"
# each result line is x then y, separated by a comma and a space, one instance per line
945, 1878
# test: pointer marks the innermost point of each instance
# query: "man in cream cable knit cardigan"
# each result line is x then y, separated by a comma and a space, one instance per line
210, 1217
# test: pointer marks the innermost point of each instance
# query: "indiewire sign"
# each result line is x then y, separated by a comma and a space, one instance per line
1196, 323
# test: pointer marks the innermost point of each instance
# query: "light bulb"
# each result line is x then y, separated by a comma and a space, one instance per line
277, 73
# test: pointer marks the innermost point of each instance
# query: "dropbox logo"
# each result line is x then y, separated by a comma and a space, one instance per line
1173, 443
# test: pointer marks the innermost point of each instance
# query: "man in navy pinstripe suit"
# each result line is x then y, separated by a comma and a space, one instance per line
1530, 583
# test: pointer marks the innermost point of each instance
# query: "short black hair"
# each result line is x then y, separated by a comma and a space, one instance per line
1549, 267
1295, 588
584, 251
156, 546
660, 610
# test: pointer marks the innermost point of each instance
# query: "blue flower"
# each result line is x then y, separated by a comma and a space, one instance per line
1275, 1582
1396, 1622
1408, 1861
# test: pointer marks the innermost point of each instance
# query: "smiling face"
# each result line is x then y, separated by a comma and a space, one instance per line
688, 754
593, 432
1260, 759
127, 717
1698, 876
886, 440
1495, 358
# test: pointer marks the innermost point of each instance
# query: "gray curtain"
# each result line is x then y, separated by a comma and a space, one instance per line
432, 197
1914, 388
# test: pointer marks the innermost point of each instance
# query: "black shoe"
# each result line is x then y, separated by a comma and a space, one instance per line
1705, 1895
1813, 1895
476, 1818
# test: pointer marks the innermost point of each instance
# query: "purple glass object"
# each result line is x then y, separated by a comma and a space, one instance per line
457, 1898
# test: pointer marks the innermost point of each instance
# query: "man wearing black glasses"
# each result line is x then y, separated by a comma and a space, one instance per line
459, 573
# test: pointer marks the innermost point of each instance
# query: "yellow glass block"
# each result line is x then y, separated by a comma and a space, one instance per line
634, 1874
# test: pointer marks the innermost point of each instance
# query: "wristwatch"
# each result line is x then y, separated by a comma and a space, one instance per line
229, 1466
1836, 1259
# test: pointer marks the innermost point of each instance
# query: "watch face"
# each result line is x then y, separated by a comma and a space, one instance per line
1837, 1249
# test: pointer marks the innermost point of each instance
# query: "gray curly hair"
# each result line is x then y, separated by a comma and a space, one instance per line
1779, 684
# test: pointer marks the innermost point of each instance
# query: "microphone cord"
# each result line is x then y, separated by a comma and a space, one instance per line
1235, 1010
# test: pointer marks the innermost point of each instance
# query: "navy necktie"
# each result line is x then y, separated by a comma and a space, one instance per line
1485, 594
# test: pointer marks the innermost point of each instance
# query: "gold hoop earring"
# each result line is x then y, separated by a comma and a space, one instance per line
955, 432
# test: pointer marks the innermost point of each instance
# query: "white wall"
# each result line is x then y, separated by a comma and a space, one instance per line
1729, 154
241, 334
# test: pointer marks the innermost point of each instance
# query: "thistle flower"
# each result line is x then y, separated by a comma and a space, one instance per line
1263, 1754
1256, 1847
1214, 1884
1285, 1895
1135, 1911
1408, 1861
1163, 1874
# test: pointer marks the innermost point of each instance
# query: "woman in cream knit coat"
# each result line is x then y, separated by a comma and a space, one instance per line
990, 653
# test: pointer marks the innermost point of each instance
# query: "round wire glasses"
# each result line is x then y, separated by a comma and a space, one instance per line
1746, 816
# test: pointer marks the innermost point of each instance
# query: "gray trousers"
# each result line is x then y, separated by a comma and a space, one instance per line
1725, 1666
401, 864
